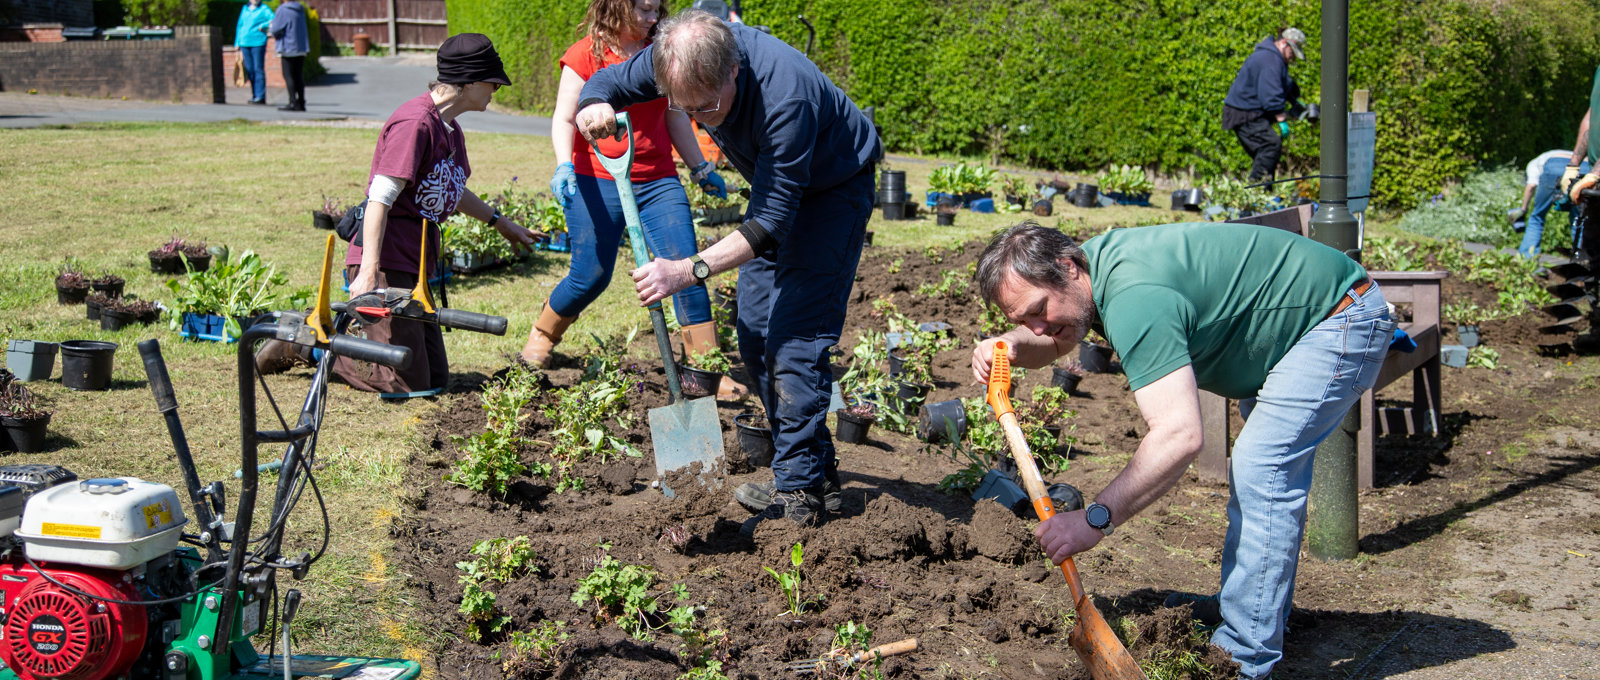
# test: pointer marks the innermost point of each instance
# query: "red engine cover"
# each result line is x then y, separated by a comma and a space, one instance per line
55, 634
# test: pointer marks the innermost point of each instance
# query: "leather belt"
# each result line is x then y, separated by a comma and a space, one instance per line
1356, 291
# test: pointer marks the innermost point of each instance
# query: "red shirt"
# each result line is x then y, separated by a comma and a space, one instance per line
418, 147
652, 146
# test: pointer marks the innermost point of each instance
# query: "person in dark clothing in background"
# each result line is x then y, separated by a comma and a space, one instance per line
808, 154
1256, 109
290, 30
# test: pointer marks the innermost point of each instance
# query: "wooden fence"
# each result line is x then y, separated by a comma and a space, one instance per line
419, 24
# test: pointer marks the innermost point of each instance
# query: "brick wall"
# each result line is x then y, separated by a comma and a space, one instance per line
187, 68
67, 12
32, 33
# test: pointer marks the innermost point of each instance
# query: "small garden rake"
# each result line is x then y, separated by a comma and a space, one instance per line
845, 661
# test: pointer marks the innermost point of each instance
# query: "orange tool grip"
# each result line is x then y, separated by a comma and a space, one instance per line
999, 396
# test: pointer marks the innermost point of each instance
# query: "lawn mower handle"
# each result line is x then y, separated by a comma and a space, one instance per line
472, 321
361, 349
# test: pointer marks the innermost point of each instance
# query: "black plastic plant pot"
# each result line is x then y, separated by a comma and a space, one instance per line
698, 383
200, 263
86, 364
852, 428
936, 420
912, 394
1065, 379
91, 309
71, 296
867, 239
1095, 358
946, 219
25, 436
116, 320
166, 264
1043, 207
755, 438
897, 361
322, 220
112, 290
894, 211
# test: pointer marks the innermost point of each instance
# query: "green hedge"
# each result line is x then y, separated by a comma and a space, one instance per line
1081, 84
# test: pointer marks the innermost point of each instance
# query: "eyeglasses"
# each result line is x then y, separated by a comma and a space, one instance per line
693, 109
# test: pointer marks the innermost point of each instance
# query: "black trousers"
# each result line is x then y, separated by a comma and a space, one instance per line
1262, 143
294, 78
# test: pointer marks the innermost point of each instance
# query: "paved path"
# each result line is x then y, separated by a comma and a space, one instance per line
355, 89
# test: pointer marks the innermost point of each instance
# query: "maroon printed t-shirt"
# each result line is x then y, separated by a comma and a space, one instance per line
652, 146
418, 147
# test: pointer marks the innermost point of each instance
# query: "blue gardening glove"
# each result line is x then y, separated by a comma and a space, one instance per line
564, 184
712, 182
1283, 129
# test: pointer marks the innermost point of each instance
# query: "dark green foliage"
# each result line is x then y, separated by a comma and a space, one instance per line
1082, 84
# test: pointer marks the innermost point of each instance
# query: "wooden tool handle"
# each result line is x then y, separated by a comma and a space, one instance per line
998, 397
891, 649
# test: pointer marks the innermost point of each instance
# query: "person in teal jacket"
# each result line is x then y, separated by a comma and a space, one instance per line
250, 36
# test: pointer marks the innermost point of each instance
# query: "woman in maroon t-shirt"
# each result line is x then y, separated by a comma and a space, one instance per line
615, 31
418, 179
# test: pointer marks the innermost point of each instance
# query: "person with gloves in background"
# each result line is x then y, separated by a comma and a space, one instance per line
1256, 108
617, 30
1542, 192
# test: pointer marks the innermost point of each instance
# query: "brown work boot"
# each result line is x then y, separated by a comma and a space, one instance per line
701, 337
277, 356
546, 334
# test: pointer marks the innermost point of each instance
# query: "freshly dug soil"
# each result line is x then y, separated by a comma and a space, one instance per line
966, 578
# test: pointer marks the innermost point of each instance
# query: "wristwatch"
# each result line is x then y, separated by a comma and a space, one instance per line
702, 271
1099, 517
495, 219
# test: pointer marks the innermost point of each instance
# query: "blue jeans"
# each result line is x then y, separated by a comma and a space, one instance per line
255, 68
791, 310
594, 227
1305, 396
1548, 195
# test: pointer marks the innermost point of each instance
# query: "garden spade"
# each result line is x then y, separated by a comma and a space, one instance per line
1096, 643
683, 432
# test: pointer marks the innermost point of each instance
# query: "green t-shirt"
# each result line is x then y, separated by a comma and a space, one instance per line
1594, 126
1230, 299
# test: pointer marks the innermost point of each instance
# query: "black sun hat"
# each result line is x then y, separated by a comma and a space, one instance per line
470, 58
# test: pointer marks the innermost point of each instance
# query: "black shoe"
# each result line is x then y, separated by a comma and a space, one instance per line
755, 497
1206, 609
262, 102
803, 507
291, 108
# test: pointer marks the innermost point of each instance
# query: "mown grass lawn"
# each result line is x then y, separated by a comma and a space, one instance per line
103, 195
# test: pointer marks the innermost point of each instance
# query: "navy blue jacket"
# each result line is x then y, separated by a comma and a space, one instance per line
789, 130
1263, 83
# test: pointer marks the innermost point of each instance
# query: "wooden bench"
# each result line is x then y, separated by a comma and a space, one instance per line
1421, 290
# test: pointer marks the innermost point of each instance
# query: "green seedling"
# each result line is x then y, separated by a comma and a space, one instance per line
536, 651
621, 592
499, 561
791, 581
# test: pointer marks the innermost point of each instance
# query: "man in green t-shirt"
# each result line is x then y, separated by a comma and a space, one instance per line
1586, 148
1292, 328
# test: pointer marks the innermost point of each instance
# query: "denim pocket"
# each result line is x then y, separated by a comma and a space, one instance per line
1373, 352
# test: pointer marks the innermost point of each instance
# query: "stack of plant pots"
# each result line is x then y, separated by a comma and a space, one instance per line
1095, 358
1086, 195
892, 195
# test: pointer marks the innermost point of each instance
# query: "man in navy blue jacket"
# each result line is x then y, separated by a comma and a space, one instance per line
1257, 102
808, 154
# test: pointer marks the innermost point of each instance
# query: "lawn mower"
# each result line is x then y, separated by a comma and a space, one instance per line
99, 580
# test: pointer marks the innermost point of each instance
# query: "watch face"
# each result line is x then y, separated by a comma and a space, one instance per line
1098, 516
702, 270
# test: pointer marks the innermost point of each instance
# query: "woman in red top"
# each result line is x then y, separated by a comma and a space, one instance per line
615, 31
